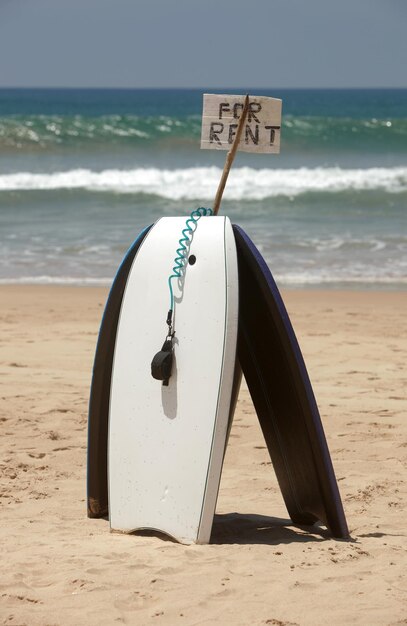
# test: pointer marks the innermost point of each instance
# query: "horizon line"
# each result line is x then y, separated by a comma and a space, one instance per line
134, 88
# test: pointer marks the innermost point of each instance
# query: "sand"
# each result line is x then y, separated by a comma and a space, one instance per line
58, 567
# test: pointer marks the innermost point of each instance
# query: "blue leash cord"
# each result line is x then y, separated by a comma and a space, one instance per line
161, 365
181, 258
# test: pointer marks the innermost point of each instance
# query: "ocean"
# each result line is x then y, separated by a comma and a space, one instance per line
83, 171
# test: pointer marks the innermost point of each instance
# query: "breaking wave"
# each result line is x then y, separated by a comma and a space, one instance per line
79, 132
200, 183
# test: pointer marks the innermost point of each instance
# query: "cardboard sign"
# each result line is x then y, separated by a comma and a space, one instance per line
220, 118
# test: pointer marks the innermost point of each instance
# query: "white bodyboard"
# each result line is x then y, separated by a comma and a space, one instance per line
167, 443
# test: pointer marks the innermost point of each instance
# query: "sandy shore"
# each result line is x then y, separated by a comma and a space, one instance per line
58, 567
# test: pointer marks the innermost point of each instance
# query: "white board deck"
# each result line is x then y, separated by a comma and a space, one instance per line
166, 444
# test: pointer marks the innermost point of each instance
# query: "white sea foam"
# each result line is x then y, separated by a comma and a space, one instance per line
284, 278
57, 280
199, 183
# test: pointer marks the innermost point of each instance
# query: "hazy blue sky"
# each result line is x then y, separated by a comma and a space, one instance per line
191, 43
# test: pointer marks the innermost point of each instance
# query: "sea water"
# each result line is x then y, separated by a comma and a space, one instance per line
83, 171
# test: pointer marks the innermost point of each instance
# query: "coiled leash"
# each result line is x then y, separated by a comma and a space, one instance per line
161, 365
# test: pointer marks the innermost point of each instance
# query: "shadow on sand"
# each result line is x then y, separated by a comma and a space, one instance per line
251, 529
260, 529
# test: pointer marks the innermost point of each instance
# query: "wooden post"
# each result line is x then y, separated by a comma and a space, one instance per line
230, 157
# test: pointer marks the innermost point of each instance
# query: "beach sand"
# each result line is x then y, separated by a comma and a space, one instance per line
58, 567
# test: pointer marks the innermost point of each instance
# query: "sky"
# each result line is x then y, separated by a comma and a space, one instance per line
197, 43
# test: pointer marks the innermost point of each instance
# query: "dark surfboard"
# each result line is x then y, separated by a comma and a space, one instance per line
98, 419
281, 391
